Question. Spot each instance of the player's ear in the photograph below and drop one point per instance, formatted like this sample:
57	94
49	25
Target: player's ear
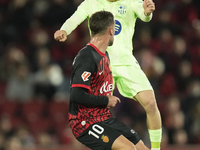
111	30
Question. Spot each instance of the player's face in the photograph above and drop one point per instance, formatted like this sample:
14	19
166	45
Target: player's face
110	43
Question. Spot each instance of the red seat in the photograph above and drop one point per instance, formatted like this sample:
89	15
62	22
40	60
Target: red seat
9	108
3	86
40	125
32	110
16	122
58	111
59	127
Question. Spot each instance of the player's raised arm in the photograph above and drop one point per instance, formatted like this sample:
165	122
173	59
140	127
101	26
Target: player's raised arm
143	9
71	23
149	7
60	35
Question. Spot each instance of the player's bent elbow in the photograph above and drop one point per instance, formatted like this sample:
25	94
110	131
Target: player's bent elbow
74	95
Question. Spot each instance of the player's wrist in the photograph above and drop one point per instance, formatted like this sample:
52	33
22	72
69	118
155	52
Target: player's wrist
147	14
107	99
65	32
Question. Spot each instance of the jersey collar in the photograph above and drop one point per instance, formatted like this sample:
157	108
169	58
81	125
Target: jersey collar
98	51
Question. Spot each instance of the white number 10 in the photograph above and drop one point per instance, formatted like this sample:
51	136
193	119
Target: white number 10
97	129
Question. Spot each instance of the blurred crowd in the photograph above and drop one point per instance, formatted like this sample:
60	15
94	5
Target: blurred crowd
35	69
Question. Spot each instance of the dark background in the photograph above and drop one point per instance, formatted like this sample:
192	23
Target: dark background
35	71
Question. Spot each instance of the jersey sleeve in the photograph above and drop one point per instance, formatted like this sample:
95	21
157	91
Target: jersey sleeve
137	7
83	69
80	96
77	18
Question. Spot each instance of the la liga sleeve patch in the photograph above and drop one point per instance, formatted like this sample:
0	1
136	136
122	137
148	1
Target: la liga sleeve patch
85	75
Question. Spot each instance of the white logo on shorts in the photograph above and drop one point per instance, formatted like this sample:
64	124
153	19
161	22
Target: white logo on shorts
132	131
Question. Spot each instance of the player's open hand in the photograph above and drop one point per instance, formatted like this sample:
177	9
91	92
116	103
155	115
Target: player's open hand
60	35
149	7
113	100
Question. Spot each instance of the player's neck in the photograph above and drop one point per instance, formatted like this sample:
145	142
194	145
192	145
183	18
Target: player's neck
101	42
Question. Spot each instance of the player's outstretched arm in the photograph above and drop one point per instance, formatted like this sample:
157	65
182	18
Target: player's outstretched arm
149	7
112	100
60	35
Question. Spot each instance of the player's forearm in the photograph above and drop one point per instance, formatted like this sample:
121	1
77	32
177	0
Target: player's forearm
80	96
146	17
147	14
141	12
77	18
69	25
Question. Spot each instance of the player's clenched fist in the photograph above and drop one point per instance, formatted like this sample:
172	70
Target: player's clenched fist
113	100
149	6
60	35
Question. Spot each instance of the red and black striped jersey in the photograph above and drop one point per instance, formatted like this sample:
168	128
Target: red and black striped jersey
91	70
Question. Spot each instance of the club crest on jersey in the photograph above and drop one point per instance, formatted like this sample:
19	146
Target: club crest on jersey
118	27
85	75
106	87
105	138
122	9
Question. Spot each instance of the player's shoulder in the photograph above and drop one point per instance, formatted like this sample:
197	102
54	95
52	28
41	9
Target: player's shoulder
86	51
85	54
90	54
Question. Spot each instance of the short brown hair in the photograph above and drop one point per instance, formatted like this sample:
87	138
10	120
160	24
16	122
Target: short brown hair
100	21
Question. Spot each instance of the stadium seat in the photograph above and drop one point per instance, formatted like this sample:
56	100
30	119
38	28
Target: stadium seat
32	110
58	111
16	122
59	127
39	125
3	86
9	108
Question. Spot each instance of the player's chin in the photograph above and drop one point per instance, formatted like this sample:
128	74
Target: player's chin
110	43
